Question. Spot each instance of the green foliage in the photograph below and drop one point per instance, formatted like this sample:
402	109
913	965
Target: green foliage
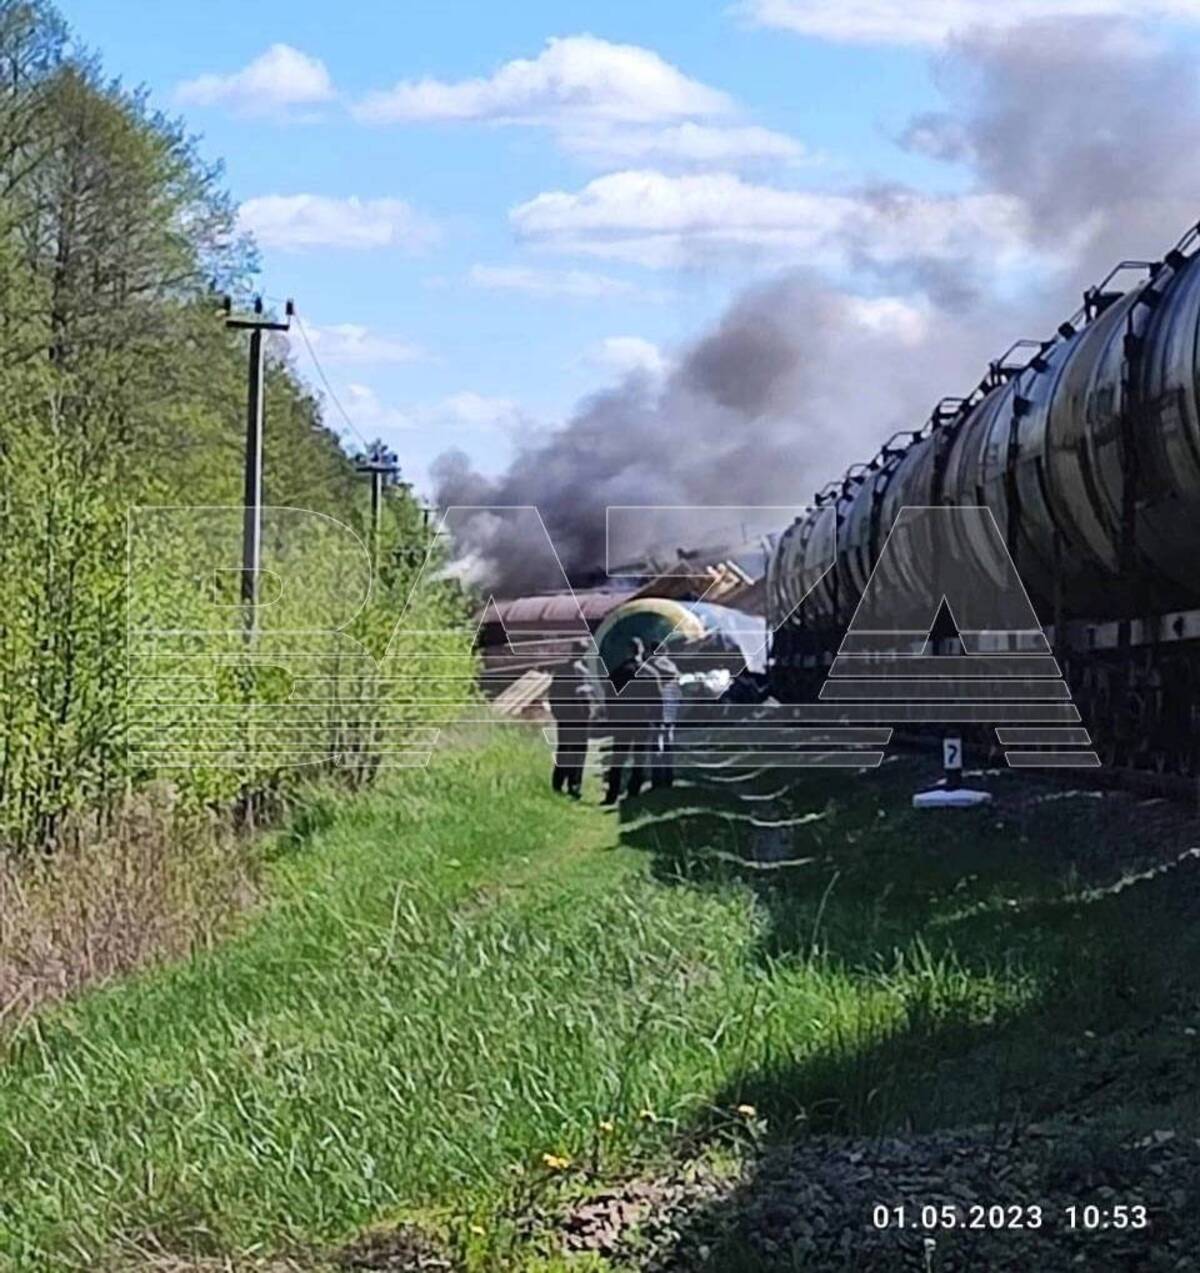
446	983
120	388
457	973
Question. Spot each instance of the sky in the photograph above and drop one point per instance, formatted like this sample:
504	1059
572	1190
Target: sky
490	214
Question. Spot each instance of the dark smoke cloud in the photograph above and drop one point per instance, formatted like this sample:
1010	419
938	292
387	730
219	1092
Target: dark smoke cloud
747	364
955	281
1090	122
1087	122
796	381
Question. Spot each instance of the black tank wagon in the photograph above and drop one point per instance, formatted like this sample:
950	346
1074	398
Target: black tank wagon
1086	449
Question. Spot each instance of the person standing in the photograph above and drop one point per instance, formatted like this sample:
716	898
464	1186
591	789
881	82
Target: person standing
628	712
570	706
662	764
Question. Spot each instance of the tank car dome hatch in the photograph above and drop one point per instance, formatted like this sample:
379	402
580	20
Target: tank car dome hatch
724	636
653	619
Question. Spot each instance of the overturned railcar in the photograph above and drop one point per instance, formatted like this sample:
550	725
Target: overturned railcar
705	633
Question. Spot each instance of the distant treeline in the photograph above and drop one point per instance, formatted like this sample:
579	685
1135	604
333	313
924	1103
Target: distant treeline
120	387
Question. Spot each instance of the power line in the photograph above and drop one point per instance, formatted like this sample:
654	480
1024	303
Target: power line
312	353
376	461
252	530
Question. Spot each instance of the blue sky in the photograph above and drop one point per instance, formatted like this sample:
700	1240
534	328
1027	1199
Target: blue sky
523	238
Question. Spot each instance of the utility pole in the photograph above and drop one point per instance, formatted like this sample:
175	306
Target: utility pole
380	465
252	489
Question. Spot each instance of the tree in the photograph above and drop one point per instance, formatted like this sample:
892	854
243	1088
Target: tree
120	387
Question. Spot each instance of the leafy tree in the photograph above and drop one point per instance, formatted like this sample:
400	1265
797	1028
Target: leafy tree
120	387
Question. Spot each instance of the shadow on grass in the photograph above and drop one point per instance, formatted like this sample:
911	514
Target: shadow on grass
1037	960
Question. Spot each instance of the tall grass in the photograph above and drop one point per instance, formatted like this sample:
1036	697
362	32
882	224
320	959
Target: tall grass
459	974
153	886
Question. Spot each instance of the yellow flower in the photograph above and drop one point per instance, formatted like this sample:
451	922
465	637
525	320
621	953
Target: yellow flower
746	1111
606	1125
556	1162
478	1230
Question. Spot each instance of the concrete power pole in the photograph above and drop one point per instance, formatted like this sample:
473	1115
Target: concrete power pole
252	488
380	465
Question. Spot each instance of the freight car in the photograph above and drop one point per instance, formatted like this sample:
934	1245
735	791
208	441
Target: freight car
534	633
1085	447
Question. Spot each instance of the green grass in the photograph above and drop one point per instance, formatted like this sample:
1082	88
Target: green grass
462	972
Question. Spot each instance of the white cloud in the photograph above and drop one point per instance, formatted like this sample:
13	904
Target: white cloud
369	414
627	355
463	410
475	410
577	284
890	316
663	221
574	77
295	222
931	21
279	78
353	343
682	145
616	105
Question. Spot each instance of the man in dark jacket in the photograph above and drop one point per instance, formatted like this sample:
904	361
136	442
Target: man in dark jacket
570	705
631	709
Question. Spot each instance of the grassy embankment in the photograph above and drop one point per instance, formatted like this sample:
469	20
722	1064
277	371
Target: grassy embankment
459	974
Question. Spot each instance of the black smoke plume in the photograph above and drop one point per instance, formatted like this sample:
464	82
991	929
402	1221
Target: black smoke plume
1089	123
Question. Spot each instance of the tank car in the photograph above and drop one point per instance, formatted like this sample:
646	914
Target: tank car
1086	449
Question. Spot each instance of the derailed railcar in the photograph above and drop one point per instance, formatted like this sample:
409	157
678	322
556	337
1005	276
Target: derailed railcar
701	632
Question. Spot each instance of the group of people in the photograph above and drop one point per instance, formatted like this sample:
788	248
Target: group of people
639	710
